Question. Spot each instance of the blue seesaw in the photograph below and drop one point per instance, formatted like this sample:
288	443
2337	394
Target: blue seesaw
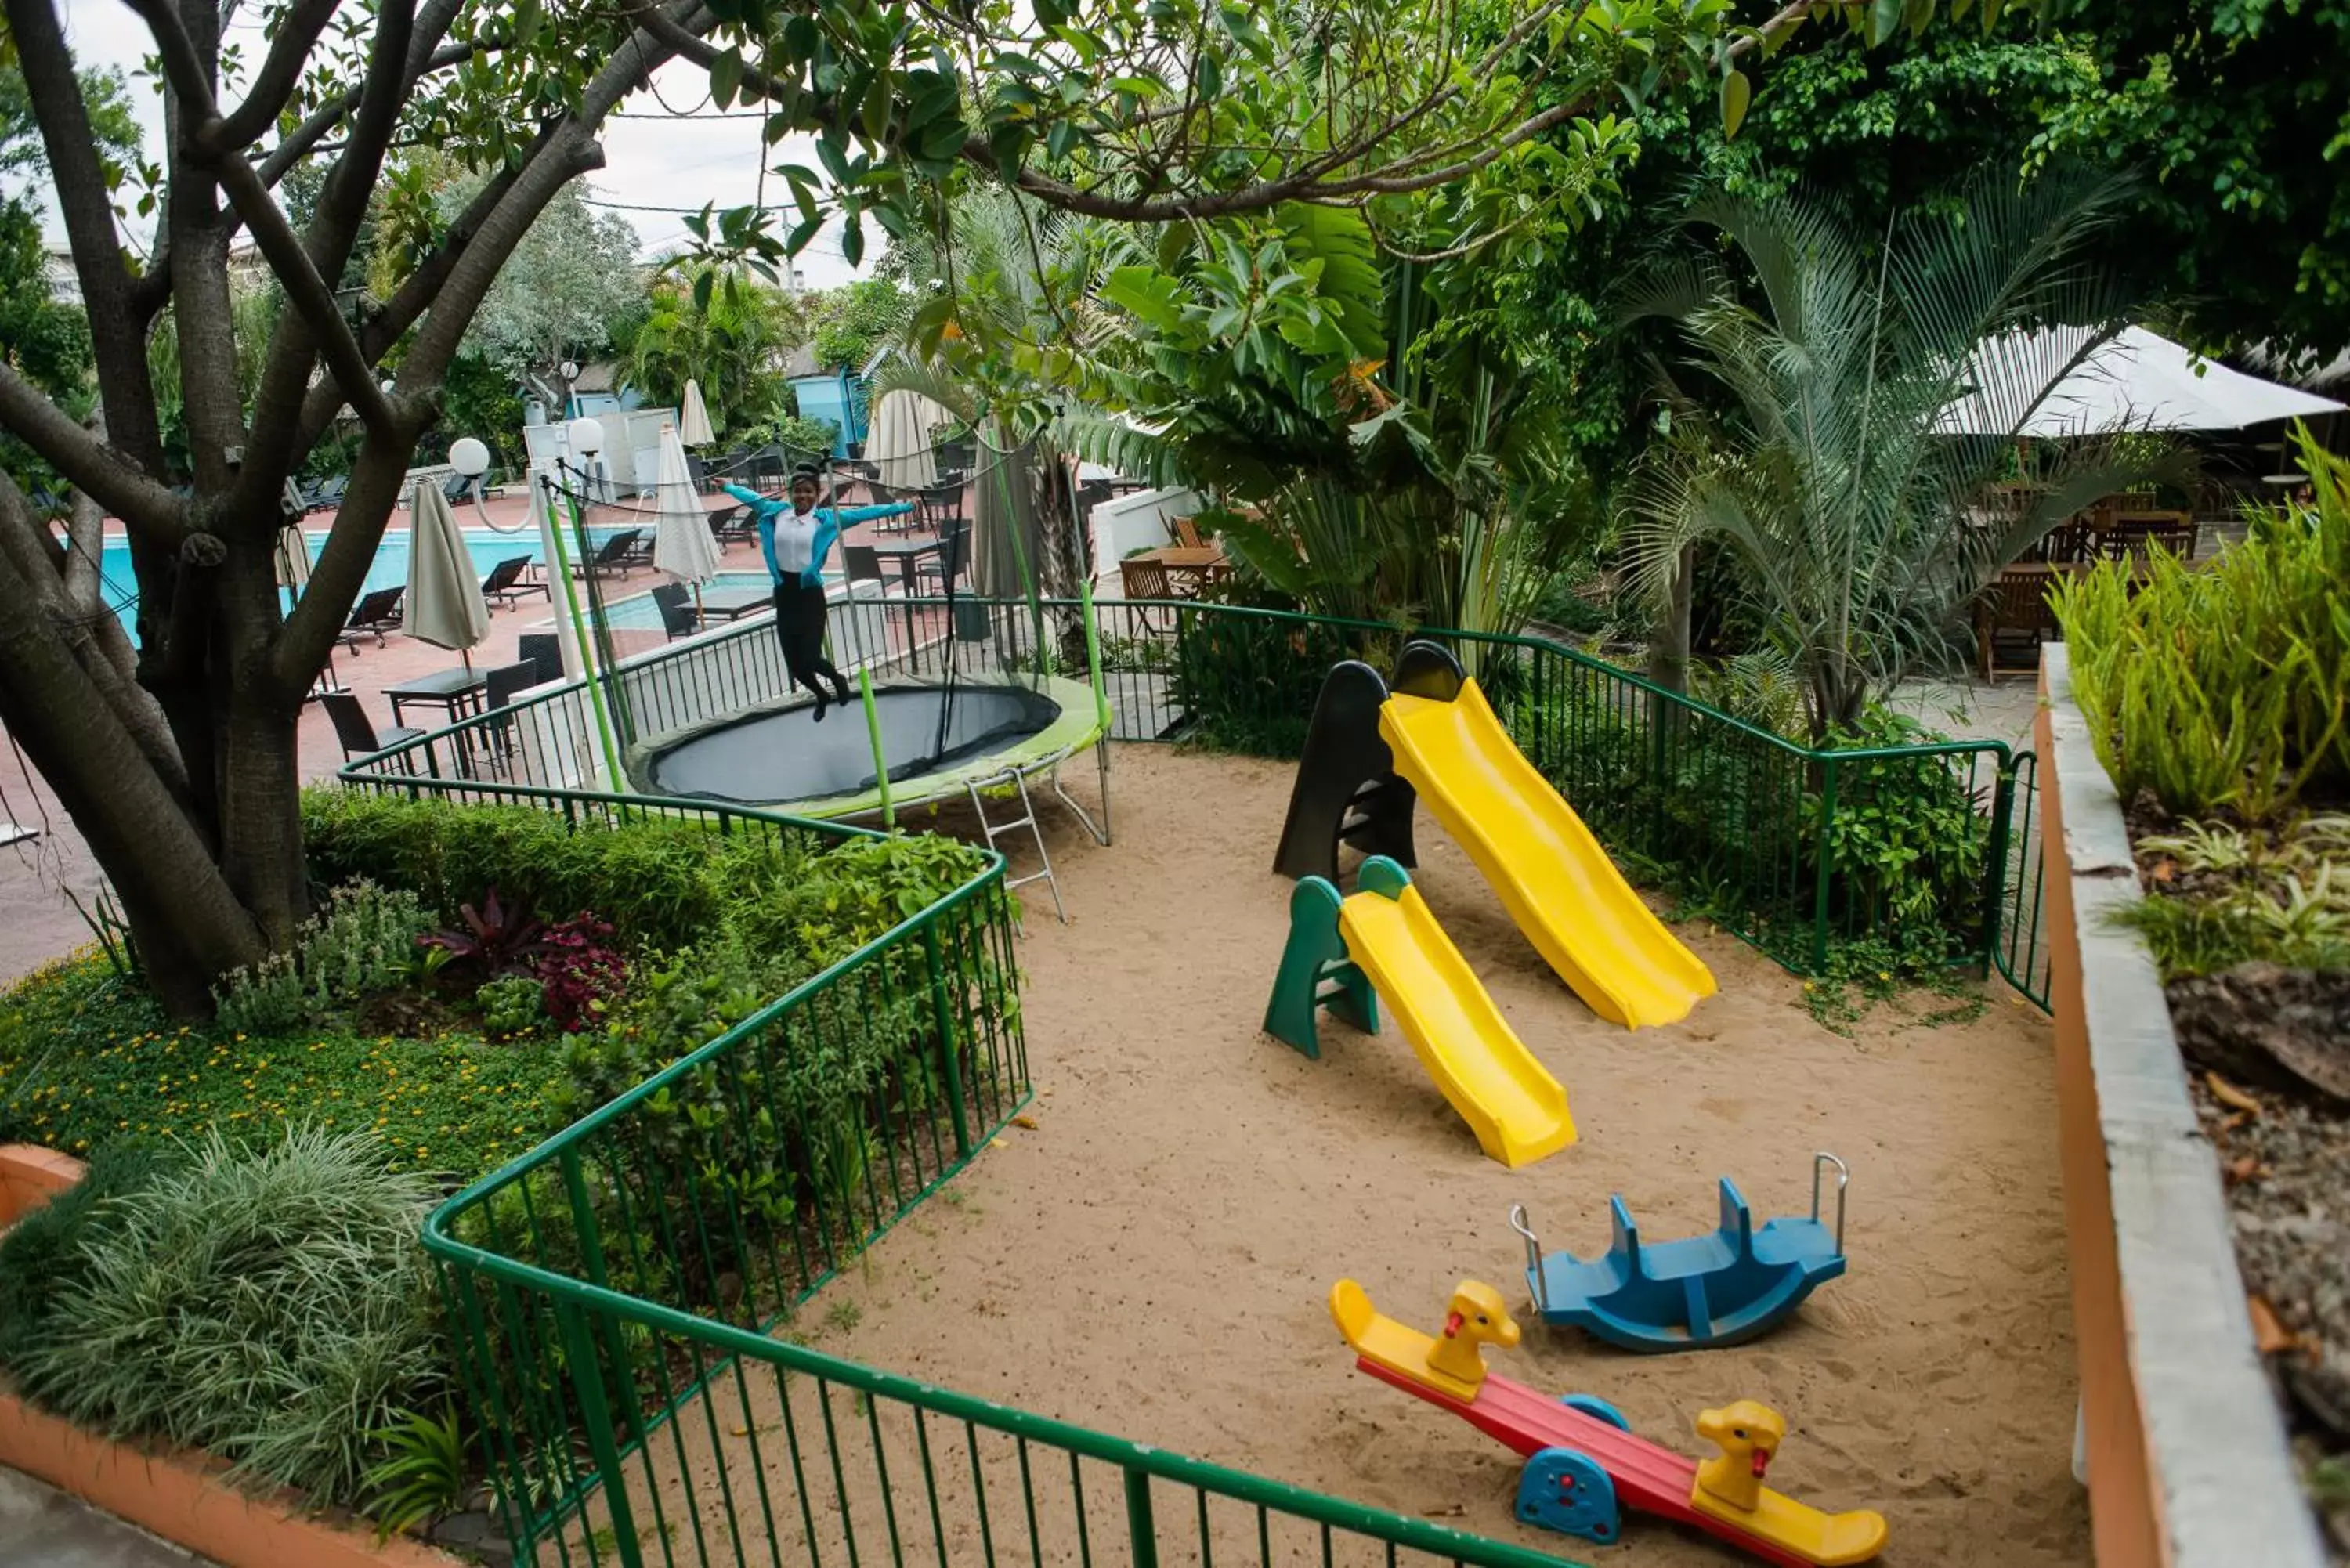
1696	1293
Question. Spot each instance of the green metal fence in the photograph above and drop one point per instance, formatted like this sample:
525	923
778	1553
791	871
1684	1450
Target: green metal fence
614	1296
1928	853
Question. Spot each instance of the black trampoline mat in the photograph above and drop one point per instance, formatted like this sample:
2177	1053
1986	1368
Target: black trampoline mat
786	755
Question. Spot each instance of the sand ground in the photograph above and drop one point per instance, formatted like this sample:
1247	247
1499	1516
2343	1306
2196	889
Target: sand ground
1152	1259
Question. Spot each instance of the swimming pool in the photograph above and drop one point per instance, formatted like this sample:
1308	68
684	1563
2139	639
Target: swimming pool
487	547
637	611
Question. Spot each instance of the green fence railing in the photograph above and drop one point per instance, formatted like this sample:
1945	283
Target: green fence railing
1930	852
613	1296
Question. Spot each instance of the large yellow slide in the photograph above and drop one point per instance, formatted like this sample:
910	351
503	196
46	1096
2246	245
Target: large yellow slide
1557	882
1516	1109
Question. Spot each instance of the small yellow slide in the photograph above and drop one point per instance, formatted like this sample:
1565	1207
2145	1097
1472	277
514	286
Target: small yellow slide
1516	1109
1557	882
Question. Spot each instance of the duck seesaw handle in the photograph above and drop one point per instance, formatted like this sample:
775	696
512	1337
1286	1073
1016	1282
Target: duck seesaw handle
1844	1179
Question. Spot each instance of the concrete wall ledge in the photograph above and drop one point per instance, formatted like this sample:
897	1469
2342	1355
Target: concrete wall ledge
2187	1460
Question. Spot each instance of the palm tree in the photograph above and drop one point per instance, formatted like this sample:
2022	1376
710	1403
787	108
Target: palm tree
1007	321
1817	454
724	329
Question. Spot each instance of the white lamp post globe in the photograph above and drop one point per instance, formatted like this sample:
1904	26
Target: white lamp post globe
469	457
586	437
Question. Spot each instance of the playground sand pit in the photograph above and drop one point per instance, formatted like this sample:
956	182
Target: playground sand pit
1152	1257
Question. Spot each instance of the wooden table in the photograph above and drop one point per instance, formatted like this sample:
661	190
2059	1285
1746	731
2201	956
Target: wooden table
734	603
451	690
1202	564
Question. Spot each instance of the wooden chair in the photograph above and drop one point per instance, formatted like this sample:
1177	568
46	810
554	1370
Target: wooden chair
1147	582
2012	610
2067	544
1186	533
2131	536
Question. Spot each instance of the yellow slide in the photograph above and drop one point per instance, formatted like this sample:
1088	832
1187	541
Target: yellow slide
1516	1109
1558	885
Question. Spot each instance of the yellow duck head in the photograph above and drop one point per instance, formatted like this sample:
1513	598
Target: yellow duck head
1749	1434
1474	1316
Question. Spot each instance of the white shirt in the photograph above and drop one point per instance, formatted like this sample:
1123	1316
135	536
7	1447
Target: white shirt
794	540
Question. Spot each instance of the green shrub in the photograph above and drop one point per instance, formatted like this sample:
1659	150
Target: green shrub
361	944
661	883
2225	687
48	1253
513	1005
270	1305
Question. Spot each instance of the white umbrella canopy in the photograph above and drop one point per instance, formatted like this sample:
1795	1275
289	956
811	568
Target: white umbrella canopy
683	546
293	558
443	604
693	422
899	444
2139	381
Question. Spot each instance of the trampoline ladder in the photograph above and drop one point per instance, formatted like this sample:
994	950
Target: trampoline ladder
1015	780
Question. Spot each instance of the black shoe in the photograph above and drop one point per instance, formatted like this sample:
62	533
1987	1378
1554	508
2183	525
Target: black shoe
819	708
841	689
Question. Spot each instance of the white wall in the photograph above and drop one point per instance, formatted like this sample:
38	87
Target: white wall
1141	521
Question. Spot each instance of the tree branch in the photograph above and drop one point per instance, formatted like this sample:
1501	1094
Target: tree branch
303	139
183	68
118	316
280	74
95	466
304	287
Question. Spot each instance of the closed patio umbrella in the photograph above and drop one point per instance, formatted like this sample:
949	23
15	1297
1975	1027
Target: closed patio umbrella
443	604
293	558
693	421
899	444
683	546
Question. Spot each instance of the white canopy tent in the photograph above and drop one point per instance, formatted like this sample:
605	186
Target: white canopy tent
2140	380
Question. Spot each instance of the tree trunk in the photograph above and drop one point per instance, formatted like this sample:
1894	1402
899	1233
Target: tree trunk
1668	647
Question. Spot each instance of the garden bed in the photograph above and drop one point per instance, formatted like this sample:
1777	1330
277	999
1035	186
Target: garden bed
2196	730
242	1270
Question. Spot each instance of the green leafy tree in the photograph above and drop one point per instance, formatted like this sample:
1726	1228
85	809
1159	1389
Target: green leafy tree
851	323
571	282
1844	500
179	766
2238	110
726	330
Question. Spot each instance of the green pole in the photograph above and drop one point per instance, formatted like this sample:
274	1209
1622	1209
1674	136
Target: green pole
1093	653
590	665
881	762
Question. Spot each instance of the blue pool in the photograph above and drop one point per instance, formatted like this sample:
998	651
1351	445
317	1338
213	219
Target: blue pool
637	611
389	570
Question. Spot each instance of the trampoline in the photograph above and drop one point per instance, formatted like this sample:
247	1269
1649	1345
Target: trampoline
952	736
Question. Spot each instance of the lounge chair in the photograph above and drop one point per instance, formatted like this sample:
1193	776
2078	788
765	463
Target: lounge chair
377	613
728	523
616	555
357	732
326	494
506	582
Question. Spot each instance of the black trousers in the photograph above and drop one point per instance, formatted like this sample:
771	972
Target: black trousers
799	627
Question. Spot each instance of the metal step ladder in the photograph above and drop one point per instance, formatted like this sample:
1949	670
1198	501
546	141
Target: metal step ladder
1014	780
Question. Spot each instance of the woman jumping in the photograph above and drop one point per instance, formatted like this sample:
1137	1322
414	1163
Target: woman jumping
795	538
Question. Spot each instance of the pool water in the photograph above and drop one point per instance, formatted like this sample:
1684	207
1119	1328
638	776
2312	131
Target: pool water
487	547
636	612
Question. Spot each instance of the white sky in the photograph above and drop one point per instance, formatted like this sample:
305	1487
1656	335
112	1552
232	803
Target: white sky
648	162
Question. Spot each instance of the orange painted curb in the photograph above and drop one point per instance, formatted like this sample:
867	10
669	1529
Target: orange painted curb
182	1498
178	1496
30	1176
